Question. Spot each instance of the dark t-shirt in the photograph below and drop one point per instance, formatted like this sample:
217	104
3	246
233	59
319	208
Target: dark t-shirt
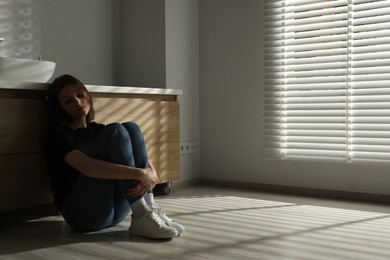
60	140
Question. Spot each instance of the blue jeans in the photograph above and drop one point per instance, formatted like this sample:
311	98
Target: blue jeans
99	203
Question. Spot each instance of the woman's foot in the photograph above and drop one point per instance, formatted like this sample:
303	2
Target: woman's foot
151	225
172	223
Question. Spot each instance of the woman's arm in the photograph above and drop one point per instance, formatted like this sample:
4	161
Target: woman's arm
139	189
106	170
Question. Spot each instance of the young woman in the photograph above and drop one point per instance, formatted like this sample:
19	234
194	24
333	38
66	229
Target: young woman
99	173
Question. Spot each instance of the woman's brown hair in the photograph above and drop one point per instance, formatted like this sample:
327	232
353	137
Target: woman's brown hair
56	111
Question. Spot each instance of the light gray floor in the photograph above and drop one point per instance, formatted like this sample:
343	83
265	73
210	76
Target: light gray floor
221	224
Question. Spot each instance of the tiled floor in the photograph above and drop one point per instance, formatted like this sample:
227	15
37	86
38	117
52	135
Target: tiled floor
221	224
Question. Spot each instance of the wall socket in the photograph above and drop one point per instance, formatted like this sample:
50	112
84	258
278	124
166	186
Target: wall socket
188	147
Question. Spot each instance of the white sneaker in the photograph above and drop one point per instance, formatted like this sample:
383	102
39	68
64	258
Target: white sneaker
152	226
159	211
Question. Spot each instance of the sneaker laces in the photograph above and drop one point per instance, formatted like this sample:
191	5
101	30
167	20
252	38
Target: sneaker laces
157	219
161	213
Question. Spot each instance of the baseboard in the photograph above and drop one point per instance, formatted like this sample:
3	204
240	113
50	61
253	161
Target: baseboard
299	191
178	185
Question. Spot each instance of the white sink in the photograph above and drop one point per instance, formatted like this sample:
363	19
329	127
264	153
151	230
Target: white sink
13	69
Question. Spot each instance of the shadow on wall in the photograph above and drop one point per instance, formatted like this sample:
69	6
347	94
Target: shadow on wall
20	26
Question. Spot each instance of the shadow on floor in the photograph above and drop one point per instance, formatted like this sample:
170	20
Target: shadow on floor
43	227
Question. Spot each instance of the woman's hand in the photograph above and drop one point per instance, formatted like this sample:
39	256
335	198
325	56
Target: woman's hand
149	178
137	191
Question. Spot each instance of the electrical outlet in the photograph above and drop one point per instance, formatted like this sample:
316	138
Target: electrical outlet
187	147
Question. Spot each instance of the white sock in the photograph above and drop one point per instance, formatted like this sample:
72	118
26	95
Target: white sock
149	198
139	208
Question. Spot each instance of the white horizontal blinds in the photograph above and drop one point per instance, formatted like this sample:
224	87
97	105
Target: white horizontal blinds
273	77
313	103
370	114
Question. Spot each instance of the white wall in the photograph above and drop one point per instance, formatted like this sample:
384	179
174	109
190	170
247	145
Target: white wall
142	34
231	109
182	72
78	36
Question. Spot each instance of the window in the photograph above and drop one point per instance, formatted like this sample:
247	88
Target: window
327	80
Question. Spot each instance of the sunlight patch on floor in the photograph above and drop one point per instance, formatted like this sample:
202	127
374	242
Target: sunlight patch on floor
251	227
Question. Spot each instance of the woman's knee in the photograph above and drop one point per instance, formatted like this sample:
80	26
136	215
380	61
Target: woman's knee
131	126
134	130
115	129
114	126
112	135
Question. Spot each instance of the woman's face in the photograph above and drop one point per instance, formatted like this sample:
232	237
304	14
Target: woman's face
74	101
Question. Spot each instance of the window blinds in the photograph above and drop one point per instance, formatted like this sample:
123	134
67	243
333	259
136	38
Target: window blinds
327	80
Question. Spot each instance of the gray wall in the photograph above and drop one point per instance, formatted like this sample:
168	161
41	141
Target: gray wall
182	72
142	39
231	109
79	37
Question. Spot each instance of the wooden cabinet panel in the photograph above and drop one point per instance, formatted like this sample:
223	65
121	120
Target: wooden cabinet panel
166	159
23	177
20	201
22	125
159	120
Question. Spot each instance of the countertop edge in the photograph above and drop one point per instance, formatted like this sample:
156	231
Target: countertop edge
10	85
